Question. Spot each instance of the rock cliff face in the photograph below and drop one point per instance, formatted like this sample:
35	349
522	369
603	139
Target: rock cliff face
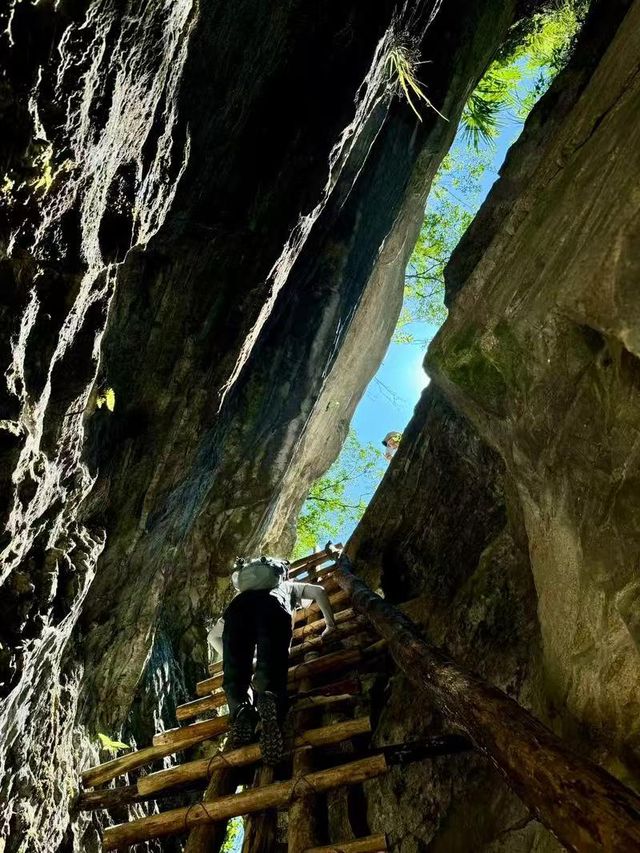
510	512
206	214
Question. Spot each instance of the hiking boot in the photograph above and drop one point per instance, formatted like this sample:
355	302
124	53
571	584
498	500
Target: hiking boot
243	725
271	740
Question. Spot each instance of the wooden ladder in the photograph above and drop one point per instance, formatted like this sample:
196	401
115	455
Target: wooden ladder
587	809
322	682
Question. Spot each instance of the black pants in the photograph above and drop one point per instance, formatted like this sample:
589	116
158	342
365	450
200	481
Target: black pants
256	619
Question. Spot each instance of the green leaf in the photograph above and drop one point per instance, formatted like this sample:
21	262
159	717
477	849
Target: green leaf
108	399
108	743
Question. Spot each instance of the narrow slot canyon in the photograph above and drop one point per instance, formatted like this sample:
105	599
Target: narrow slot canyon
275	277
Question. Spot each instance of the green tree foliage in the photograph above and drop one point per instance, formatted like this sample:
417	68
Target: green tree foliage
233	837
339	498
507	92
539	53
454	199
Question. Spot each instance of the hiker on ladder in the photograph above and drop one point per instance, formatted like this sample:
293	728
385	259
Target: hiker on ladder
261	616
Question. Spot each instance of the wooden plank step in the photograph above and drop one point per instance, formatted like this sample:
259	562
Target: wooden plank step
301	633
276	795
208	685
185	734
203	688
325	702
192	771
108	798
345	685
326	663
368	844
313	610
215	668
102	773
314	643
317	627
307	669
329	581
190	710
200	706
298	567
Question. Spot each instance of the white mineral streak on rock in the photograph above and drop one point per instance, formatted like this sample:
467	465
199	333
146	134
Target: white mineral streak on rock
145	75
35	727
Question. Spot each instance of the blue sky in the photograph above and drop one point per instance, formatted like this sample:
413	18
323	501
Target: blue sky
390	398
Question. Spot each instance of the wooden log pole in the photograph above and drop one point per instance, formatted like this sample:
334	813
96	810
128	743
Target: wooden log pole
210	836
347	629
141	757
319	625
185	734
199	706
202	768
587	809
322	664
368	844
312	612
247	802
260	828
302	822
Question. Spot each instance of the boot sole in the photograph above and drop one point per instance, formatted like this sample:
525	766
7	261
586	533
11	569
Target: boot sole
241	733
271	740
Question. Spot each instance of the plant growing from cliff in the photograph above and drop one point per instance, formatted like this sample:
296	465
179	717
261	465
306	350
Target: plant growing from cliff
339	498
402	63
454	198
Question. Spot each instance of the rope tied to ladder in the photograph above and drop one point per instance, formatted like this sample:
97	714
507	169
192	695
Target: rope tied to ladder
294	790
219	756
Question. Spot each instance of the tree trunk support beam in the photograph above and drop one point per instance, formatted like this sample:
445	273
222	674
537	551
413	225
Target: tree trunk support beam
580	803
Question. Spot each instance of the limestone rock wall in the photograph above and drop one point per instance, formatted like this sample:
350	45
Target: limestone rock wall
509	513
203	206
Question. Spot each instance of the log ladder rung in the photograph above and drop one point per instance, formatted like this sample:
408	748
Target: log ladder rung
368	844
276	795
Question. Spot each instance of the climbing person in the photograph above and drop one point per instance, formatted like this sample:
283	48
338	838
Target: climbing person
391	442
259	620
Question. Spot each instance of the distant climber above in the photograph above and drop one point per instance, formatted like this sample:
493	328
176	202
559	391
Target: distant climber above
260	616
391	442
